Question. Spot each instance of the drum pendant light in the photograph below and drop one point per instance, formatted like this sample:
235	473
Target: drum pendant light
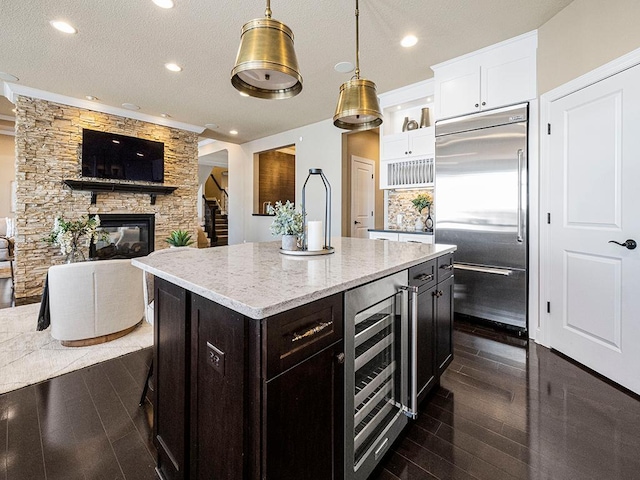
266	65
358	107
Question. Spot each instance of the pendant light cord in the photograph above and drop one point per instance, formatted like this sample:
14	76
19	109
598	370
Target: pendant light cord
357	42
267	12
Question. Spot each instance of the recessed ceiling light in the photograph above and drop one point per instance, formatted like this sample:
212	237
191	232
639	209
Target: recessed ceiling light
409	41
211	126
164	3
173	67
233	132
130	106
165	115
91	97
429	99
344	67
7	77
62	26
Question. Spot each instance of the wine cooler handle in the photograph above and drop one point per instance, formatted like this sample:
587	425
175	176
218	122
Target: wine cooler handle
411	410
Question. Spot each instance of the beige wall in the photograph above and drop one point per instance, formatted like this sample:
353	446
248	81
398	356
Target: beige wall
367	145
7	173
48	138
584	36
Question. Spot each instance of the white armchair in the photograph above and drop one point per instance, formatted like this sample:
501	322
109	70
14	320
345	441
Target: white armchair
94	302
6	244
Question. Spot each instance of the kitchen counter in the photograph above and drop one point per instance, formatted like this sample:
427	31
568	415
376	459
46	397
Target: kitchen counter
256	280
248	341
397	230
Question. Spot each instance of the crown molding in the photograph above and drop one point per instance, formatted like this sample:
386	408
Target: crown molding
11	90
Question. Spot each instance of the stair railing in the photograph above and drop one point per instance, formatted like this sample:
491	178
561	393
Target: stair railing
225	195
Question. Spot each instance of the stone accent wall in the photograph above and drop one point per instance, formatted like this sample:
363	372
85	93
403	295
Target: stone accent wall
400	203
48	148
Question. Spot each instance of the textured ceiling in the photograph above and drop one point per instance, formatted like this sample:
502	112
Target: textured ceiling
119	52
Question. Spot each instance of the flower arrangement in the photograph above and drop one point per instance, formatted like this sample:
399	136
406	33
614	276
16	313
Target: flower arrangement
179	238
287	221
68	235
422	201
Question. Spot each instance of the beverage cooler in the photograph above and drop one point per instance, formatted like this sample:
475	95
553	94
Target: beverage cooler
380	387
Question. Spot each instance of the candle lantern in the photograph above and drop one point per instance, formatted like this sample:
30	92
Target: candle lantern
326	247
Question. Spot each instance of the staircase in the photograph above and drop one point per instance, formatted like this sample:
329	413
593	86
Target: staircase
216	224
222	230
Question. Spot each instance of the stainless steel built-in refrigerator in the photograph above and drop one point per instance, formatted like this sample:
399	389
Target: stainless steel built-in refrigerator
481	206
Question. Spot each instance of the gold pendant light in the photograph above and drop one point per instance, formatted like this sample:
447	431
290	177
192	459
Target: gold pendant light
358	107
266	65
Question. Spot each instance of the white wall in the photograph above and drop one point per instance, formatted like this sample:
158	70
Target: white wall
7	173
236	162
317	146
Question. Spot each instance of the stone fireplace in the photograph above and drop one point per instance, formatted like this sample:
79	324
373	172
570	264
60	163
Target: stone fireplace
130	235
48	149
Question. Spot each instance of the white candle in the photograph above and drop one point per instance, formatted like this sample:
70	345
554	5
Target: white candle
315	236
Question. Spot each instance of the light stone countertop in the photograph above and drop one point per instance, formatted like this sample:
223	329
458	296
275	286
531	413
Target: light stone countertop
256	280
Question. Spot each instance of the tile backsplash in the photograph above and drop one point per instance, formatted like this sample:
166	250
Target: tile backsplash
400	204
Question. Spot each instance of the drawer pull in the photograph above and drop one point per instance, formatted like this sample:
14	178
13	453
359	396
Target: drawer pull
447	267
312	331
425	277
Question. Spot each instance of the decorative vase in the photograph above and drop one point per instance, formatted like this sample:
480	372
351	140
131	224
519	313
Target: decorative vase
428	223
405	123
289	242
74	256
424	118
419	224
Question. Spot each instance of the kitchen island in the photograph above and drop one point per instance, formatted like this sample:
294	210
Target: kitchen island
249	353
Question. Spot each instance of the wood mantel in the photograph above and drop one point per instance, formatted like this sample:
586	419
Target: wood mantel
101	187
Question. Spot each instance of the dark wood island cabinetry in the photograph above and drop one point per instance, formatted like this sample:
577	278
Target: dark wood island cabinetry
237	396
250	370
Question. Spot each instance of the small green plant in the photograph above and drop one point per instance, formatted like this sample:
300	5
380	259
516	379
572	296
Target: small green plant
179	238
422	201
286	221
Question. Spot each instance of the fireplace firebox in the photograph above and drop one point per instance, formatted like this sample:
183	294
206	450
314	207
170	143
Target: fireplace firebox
130	236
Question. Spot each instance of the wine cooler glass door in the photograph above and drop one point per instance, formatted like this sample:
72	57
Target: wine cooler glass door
375	366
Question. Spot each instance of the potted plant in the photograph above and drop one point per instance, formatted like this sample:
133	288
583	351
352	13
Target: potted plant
179	238
68	235
422	201
287	222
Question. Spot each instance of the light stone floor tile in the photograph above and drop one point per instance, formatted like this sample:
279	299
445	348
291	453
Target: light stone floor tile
28	356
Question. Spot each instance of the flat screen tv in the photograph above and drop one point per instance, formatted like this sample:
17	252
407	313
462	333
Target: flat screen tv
119	157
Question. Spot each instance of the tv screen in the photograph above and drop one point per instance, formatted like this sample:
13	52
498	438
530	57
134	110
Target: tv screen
118	157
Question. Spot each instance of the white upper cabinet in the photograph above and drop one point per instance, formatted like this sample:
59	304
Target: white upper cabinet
407	154
412	143
502	74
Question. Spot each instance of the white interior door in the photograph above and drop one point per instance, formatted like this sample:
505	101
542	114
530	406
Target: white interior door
594	179
362	196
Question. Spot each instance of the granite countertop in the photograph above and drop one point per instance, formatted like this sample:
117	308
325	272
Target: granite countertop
256	280
397	230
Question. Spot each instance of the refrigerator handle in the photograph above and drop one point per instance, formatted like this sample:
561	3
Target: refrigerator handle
519	214
410	298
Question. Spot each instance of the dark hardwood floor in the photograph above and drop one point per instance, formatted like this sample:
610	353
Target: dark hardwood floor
505	409
511	410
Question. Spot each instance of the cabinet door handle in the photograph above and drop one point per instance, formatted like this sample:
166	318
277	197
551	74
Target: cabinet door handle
447	267
484	103
340	358
312	331
409	152
424	277
477	105
437	293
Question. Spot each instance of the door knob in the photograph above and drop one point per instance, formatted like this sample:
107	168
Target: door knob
356	222
630	244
